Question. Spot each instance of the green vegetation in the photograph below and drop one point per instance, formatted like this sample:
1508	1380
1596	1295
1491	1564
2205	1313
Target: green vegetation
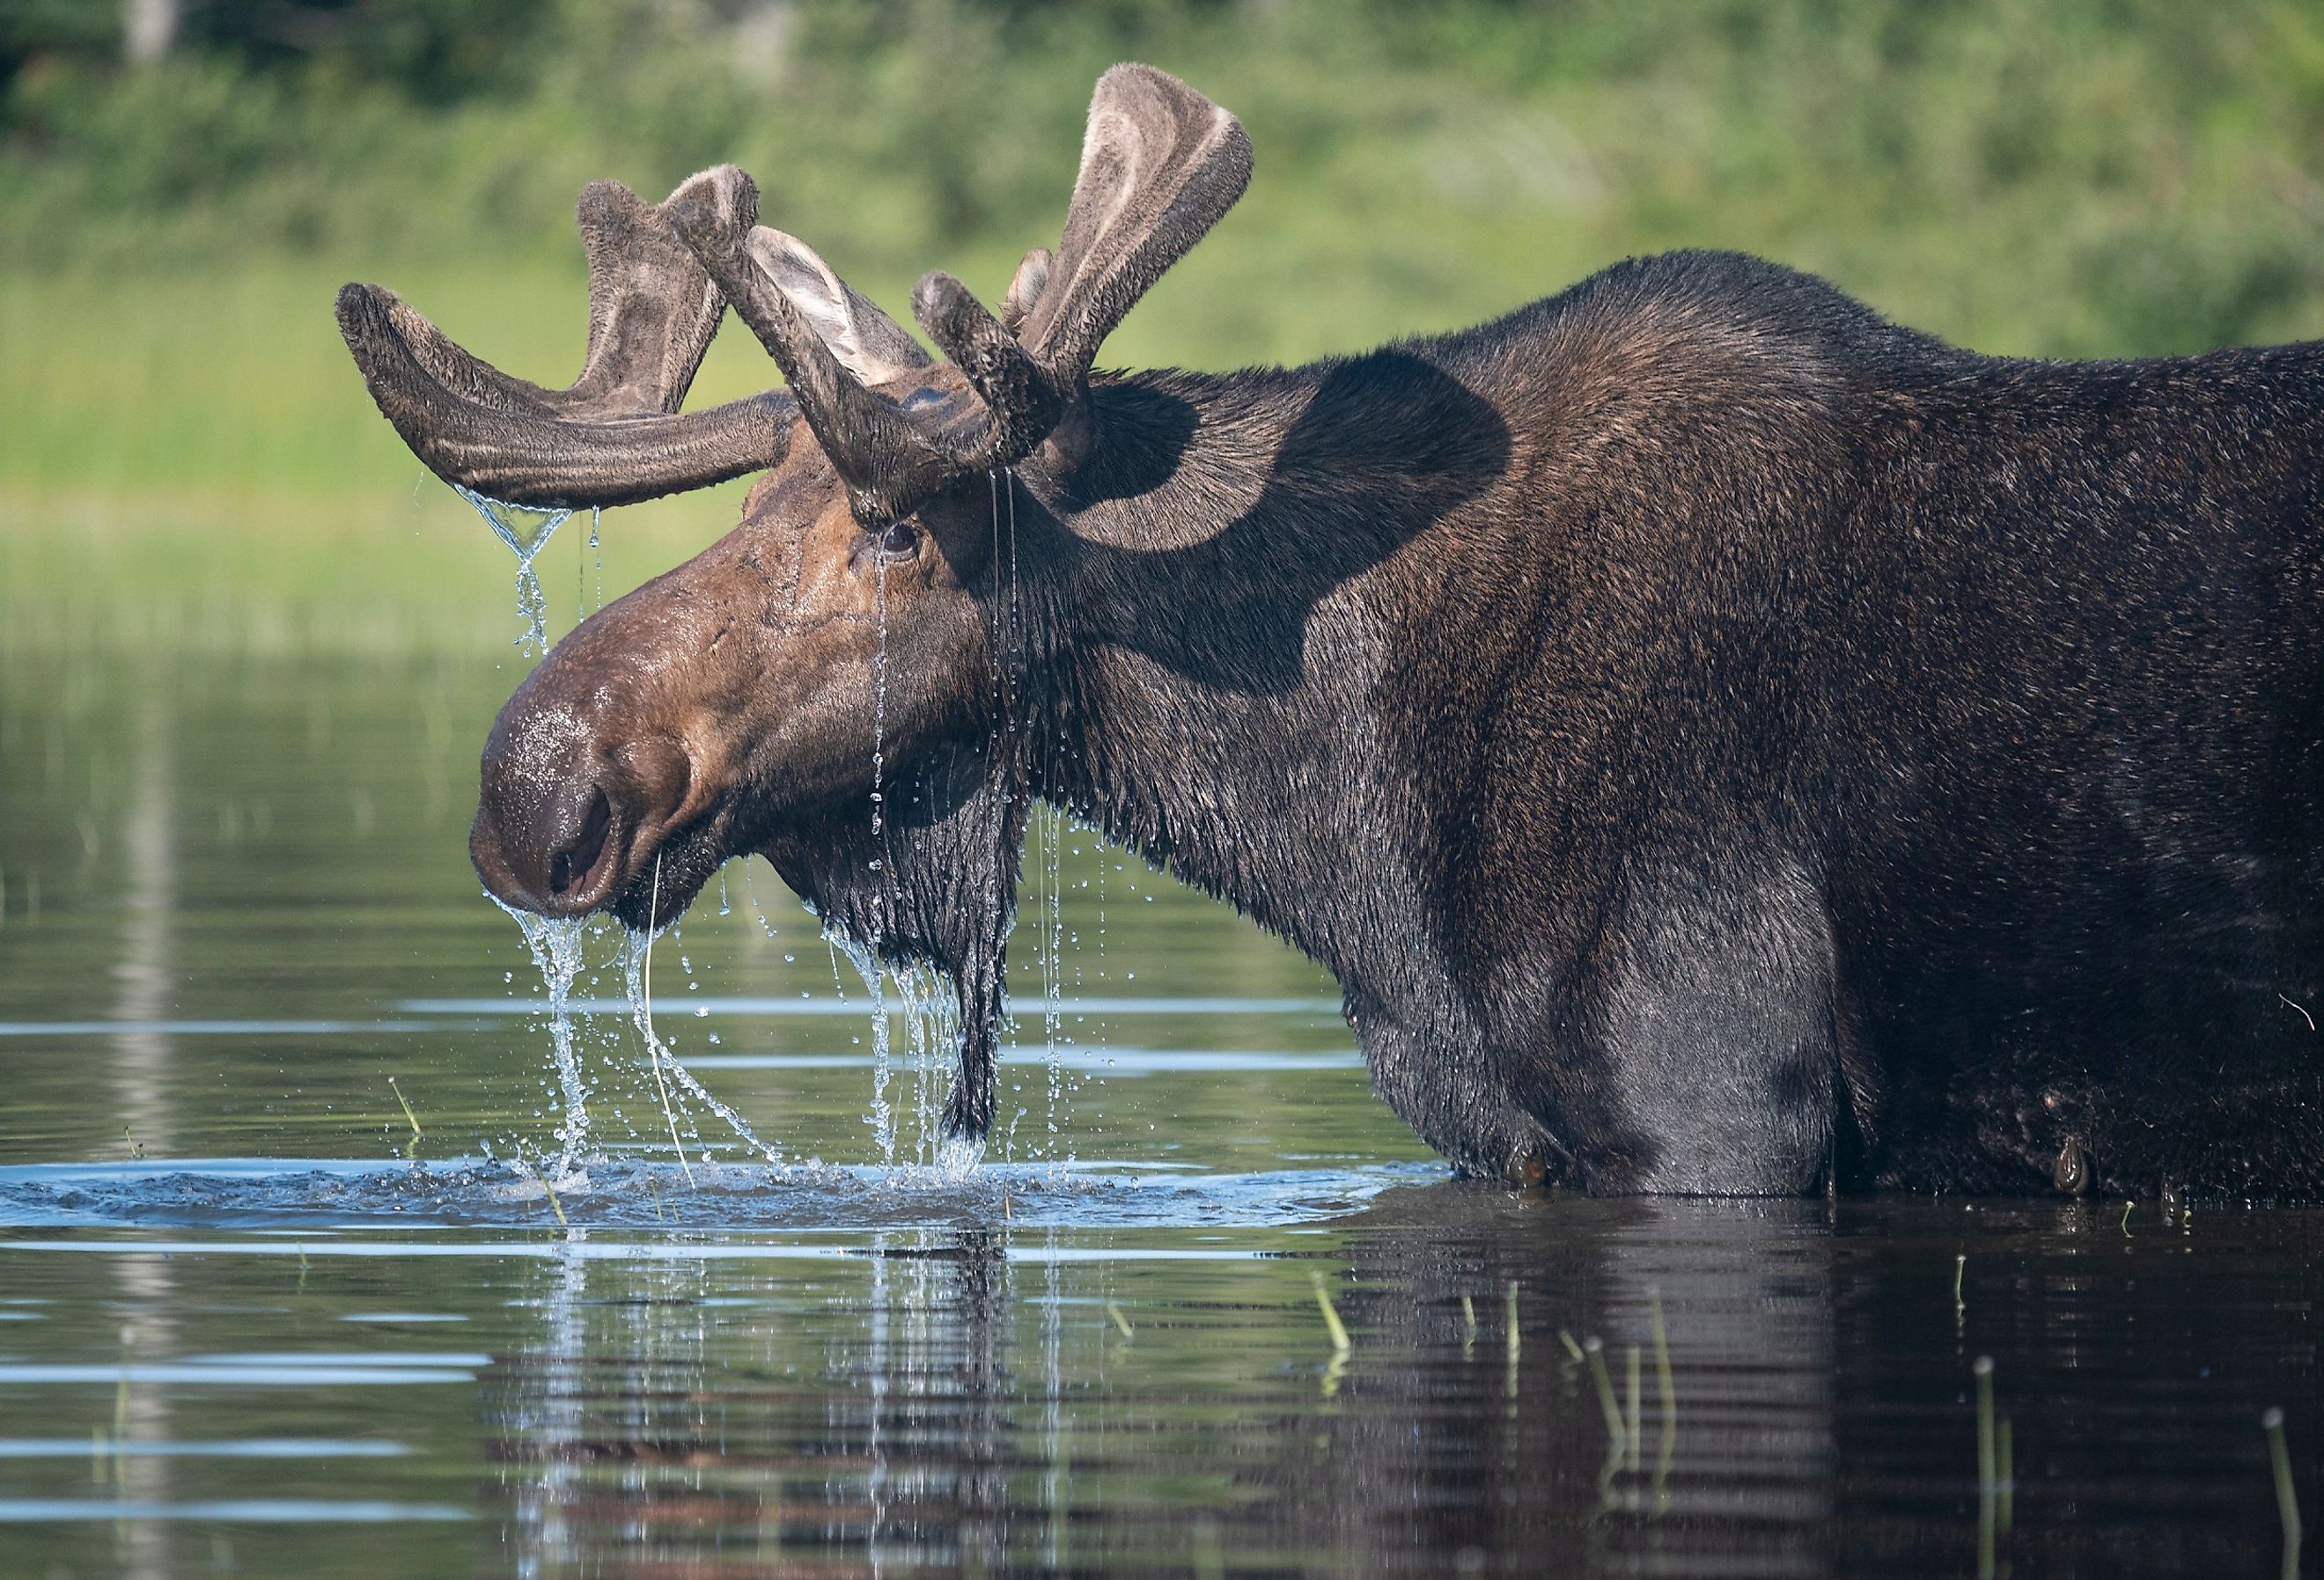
2045	177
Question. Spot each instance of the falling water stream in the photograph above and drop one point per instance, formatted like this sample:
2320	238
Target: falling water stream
919	998
526	529
636	962
556	943
558	946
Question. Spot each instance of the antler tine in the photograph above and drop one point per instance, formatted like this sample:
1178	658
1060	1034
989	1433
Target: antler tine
614	436
1160	166
652	309
1024	402
886	461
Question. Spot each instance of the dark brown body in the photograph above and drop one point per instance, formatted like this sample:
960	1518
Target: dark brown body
1721	740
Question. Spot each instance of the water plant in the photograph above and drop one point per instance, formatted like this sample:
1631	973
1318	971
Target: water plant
653	1042
407	1114
1593	1350
1337	1365
1663	1379
2287	1503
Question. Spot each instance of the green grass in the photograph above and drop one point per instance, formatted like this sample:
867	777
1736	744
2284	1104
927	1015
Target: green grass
184	444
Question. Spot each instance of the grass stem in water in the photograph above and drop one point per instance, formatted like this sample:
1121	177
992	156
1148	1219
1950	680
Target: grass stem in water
2287	1504
1338	1364
1986	1466
653	1042
1633	1421
1664	1380
407	1114
1331	1322
549	1191
1595	1351
2006	1495
1516	1347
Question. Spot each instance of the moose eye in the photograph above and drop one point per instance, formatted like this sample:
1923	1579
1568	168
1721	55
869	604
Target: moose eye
899	540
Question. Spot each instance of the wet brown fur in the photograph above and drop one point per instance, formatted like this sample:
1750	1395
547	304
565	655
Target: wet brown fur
1719	739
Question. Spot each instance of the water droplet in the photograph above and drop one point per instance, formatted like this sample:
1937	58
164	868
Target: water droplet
526	531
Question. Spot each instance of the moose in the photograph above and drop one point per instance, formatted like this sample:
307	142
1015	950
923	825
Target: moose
1722	741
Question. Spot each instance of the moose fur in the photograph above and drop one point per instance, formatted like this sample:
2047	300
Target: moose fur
1720	741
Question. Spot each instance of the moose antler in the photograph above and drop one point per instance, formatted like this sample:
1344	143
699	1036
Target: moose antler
615	435
1160	166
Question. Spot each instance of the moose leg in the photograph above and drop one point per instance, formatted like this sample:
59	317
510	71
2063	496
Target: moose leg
1430	1070
1713	1060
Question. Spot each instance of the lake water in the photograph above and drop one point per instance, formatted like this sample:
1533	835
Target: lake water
250	1323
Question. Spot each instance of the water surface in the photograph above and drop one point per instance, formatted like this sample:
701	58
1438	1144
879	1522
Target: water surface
248	1318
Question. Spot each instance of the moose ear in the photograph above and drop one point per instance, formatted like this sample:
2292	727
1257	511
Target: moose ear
862	339
1160	166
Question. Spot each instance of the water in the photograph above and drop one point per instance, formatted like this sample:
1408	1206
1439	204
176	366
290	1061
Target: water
240	1327
556	947
526	529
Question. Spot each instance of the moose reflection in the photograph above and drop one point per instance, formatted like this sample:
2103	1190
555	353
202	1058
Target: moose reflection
998	1401
997	1419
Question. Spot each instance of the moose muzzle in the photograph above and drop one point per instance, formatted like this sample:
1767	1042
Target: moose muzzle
568	809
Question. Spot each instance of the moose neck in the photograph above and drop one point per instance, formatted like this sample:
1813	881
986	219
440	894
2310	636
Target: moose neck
1228	587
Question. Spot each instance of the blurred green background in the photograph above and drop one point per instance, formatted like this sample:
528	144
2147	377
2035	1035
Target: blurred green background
187	456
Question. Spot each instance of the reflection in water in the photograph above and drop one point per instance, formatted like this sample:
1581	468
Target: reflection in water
960	1400
143	974
678	1430
1440	1446
909	1410
140	1083
833	1370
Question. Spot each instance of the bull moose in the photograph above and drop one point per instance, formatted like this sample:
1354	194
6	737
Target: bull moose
1722	741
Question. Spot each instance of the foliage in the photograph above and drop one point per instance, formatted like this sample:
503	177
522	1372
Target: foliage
2063	175
2043	177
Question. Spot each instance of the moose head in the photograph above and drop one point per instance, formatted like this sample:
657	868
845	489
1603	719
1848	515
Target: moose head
831	685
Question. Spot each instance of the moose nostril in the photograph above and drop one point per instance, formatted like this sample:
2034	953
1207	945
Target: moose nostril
570	865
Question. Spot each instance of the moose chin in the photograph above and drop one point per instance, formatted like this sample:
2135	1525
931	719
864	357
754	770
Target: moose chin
1722	742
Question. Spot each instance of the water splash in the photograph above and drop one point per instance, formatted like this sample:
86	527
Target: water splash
558	948
910	1080
931	1013
883	1117
633	979
555	946
526	531
758	910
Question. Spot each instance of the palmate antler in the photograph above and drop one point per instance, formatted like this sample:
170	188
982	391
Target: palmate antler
614	437
1160	166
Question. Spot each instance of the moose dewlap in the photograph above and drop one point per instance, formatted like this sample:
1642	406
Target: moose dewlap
1722	742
